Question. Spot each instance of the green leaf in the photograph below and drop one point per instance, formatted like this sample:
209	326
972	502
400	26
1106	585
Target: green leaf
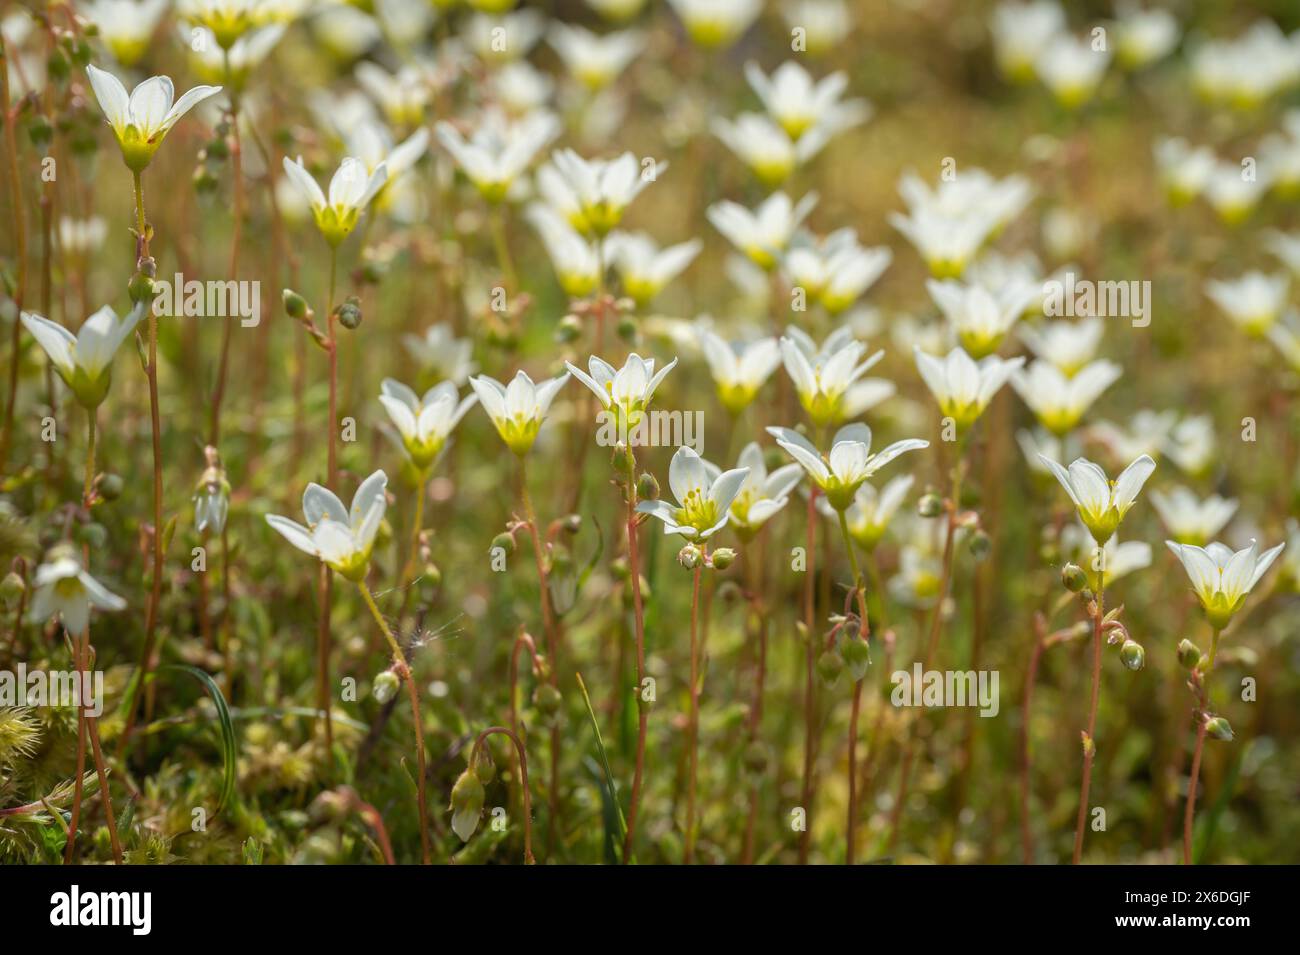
228	750
612	790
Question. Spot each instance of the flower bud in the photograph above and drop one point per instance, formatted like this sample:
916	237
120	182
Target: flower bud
110	486
385	686
1073	577
571	523
12	587
628	330
484	766
94	536
140	288
930	505
505	541
217	148
980	545
466	804
857	656
1132	654
829	666
756	758
547	699
568	329
647	488
432	574
349	313
1189	654
723	558
295	306
1219	728
689	557
618	567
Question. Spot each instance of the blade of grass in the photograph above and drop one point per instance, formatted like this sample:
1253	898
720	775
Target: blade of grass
604	759
228	750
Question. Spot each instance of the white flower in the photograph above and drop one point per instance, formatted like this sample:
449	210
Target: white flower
962	387
64	588
869	516
1185	169
761	235
1059	402
761	495
716	23
1111	561
342	539
231	67
403	96
1071	69
946	244
498	152
1286	246
823	383
1102	503
836	271
344	31
1191	520
593	193
799	104
1039	444
626	391
1222	578
503	39
1146	433
765	147
371	142
849	464
1286	337
1021	31
576	260
1144	36
595	60
85	360
141	121
1067	345
825	23
125	26
703	500
1191	445
351	190
80	236
739	369
521	87
618	11
643	268
1233	194
424	423
1246	71
442	352
1253	302
518	409
980	319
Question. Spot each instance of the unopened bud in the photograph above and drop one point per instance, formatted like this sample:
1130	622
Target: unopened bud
485	768
723	558
466	804
568	329
349	313
980	545
547	699
12	587
1189	654
571	523
1132	654
1073	577
756	758
689	557
628	329
385	686
857	656
505	541
110	486
829	666
295	306
1219	728
647	488
930	505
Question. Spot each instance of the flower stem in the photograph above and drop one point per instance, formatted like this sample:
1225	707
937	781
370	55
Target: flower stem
90	458
759	624
504	261
404	672
326	586
810	676
1089	743
860	587
523	781
1201	723
638	616
19	233
236	165
693	719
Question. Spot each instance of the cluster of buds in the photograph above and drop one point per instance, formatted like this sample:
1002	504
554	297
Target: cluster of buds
692	556
212	156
